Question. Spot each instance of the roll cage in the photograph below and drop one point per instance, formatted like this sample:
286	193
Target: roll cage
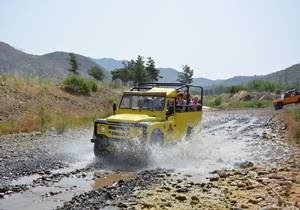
177	86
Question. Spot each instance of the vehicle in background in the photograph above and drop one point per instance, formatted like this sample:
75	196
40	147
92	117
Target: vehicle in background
289	97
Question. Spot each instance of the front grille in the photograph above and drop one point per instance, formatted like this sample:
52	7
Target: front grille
113	133
112	127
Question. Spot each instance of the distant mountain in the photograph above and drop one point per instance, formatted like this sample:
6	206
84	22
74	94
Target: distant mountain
171	75
168	75
110	63
54	65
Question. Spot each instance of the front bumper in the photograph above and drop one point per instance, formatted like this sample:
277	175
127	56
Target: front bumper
111	144
119	131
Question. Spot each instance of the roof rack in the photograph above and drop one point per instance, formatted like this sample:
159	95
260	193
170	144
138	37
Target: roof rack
178	86
150	85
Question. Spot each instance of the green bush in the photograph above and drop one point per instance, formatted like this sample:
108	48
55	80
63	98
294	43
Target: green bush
213	101
44	118
234	89
218	101
77	85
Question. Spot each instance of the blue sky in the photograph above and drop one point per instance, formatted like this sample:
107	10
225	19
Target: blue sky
217	38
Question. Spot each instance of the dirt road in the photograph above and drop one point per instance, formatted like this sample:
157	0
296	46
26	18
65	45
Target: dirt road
237	159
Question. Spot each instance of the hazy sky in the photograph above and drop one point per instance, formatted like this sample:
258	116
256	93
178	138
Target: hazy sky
218	39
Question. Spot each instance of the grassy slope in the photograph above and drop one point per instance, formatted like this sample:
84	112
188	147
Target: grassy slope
291	116
37	105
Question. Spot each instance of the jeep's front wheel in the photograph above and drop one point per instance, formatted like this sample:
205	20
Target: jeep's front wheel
157	137
99	151
189	133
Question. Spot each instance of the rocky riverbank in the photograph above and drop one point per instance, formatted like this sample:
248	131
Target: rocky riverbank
239	160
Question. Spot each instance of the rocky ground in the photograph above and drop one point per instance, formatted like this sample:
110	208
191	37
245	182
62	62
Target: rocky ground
240	160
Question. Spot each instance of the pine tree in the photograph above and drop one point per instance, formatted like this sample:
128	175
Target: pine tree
139	72
97	73
186	76
152	72
74	64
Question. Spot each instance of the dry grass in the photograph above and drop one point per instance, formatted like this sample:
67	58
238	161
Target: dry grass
29	104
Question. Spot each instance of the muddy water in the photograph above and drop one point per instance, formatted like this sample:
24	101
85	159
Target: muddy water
223	140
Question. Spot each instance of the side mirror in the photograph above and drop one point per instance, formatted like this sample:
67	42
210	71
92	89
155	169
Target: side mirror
114	107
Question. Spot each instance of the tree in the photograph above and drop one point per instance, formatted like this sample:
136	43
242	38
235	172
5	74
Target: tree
139	72
122	74
186	76
152	72
97	73
135	71
74	64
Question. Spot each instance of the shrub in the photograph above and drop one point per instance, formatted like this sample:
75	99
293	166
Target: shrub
234	89
218	101
61	126
77	85
44	118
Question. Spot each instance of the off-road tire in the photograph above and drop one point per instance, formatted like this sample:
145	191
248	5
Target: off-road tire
157	137
100	152
189	133
278	106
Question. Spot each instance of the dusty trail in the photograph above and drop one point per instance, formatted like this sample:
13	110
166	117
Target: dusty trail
61	170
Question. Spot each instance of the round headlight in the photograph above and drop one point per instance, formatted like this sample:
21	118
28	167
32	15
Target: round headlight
102	129
139	131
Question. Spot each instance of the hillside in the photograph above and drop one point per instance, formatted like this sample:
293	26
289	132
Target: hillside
109	63
289	75
30	104
54	65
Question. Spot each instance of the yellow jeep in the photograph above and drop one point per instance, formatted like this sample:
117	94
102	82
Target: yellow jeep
150	113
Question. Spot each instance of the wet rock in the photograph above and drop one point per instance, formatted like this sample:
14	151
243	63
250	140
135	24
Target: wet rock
182	190
236	208
275	176
181	198
122	205
166	188
214	178
246	164
244	206
195	198
222	174
240	184
254	200
179	180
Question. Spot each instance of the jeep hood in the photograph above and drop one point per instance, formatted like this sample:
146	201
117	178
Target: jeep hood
131	118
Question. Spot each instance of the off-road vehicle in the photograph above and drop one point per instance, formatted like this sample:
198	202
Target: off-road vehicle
151	113
289	97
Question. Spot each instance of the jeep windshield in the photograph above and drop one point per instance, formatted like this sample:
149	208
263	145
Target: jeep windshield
138	102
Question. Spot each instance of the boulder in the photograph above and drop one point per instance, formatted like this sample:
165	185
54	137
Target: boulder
243	96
